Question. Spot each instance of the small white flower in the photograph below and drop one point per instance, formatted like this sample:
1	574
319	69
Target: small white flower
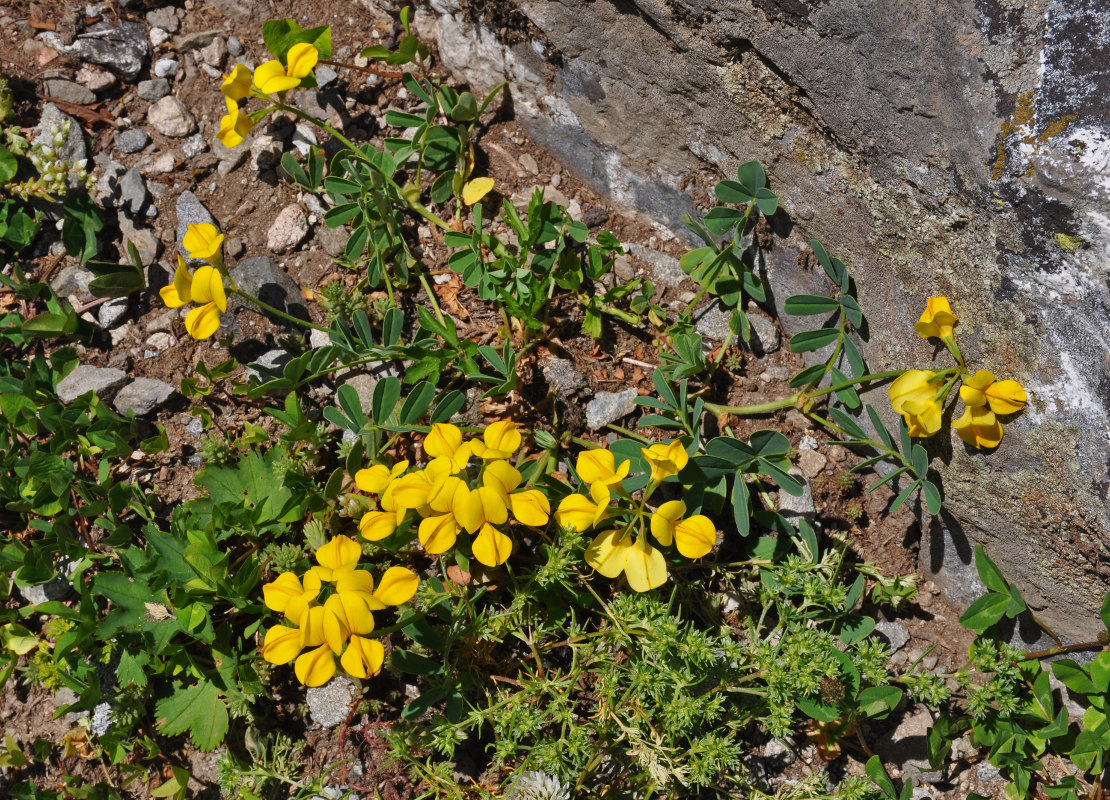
537	785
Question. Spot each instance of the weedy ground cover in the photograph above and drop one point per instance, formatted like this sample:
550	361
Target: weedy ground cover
579	617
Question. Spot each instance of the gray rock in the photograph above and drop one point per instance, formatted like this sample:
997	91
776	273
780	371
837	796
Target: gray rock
101	381
194	41
263	278
801	506
333	240
121	48
606	407
146	243
134	197
895	633
272	360
908	747
562	378
665	270
712	322
329	705
143	395
73	279
94	79
214	54
158	36
765	336
170	117
163	18
112	312
810	462
318	339
235	48
154	89
69	91
73	148
166	67
233	160
132	140
363	384
776	751
194	146
234	247
324	73
190	211
288	230
54	589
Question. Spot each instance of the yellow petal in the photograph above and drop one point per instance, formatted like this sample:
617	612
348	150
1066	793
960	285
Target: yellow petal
476	189
502	474
342	551
923	417
412	490
270	78
316	667
178	293
665	459
363	657
913	384
203	321
377	525
979	427
444	493
530	507
595	466
397	586
312	627
301	59
279	592
937	319
281	645
237	84
663	521
491	547
694	537
373	479
202	241
575	511
442	440
608	553
645	568
1006	397
502	438
339	621
438	533
486	504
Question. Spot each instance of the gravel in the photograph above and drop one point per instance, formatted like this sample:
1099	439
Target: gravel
121	48
288	230
101	381
143	395
69	91
606	407
132	140
170	117
154	89
330	704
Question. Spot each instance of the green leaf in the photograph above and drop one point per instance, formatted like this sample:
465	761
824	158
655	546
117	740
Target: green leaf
8	165
1017	604
281	34
767	201
347	397
847	422
809	304
751	175
855	628
1073	676
741	506
904	495
989	573
197	709
721	220
1105	612
920	460
877	701
813	340
253	483
417	708
933	500
732	192
415	664
985	612
877	774
387	393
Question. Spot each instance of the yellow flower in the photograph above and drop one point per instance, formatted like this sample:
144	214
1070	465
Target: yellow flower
599	466
665	459
234	126
202	241
377	478
529	506
694	536
972	392
237	84
499	440
285	594
316	667
913	395
337	559
476	189
445	441
614	552
937	319
273	78
205	287
178	293
979	427
363	657
581	513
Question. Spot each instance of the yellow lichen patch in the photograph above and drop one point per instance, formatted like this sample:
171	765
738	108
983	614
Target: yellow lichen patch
1069	244
1022	124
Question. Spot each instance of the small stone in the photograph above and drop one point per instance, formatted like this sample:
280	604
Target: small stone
261	277
166	67
232	161
194	146
170	117
288	230
777	751
529	163
712	323
132	140
235	247
195	41
121	48
271	361
363	384
112	312
154	89
606	407
93	79
330	704
556	179
774	372
562	378
133	194
142	396
838	453
765	336
895	633
318	339
164	18
158	36
808	442
801	506
665	270
73	279
810	462
101	381
333	240
194	427
69	91
304	138
159	164
161	341
235	48
214	54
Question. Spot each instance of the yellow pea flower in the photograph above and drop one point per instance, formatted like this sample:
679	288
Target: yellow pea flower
972	391
237	84
979	427
282	644
484	505
499	440
913	395
337	559
581	513
491	547
273	78
285	594
234	126
202	241
937	319
377	478
531	506
363	657
445	441
614	552
694	536
476	189
665	459
316	667
599	466
1006	397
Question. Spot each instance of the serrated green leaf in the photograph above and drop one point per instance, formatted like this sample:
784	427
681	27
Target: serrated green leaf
197	709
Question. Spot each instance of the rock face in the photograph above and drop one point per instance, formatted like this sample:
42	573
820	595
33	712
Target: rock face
959	148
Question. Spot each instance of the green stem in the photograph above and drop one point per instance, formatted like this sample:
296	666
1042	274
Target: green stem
275	311
801	395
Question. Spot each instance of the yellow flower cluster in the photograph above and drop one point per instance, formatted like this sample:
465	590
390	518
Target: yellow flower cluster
448	501
273	77
205	287
331	613
625	548
919	395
